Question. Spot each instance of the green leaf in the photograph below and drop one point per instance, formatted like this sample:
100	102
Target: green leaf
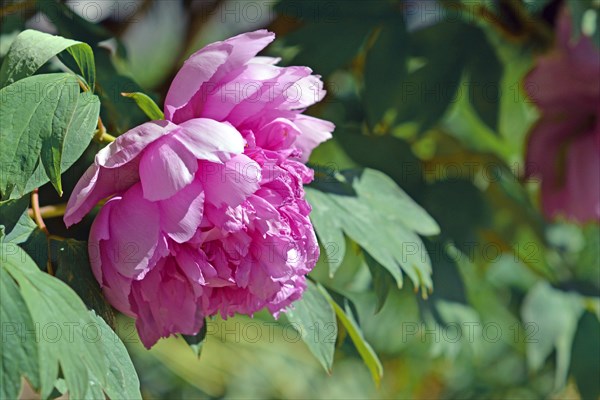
44	123
381	218
388	154
356	19
146	104
387	58
328	229
555	314
364	349
32	49
382	281
585	365
121	378
428	90
19	349
325	56
60	313
22	230
313	316
381	192
485	73
460	208
11	212
29	237
535	6
118	114
197	341
71	264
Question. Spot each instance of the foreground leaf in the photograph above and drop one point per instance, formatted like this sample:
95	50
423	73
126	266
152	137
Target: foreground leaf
44	123
364	349
381	218
52	304
71	262
314	318
19	349
382	281
121	379
10	214
69	338
32	49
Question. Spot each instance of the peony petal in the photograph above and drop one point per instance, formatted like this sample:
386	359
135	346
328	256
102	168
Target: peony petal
210	140
165	168
202	72
115	169
197	70
253	112
165	304
130	144
303	93
98	232
252	84
134	233
264	60
243	48
278	134
314	132
583	178
230	183
181	214
96	184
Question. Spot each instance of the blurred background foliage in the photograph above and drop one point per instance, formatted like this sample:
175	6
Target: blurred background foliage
430	93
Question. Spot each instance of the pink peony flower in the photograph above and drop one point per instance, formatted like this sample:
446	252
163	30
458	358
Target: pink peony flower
564	146
204	219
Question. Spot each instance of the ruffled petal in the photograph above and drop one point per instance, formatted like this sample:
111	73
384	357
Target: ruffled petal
165	304
134	233
314	132
202	72
278	134
196	71
231	183
115	169
181	214
130	144
210	140
165	168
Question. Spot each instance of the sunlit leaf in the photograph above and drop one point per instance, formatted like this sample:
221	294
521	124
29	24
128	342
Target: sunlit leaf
365	350
32	49
313	317
146	104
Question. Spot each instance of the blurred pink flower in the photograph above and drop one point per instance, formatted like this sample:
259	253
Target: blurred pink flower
564	146
204	219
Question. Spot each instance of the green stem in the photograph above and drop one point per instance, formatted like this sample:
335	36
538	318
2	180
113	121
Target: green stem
106	138
37	216
101	135
52	211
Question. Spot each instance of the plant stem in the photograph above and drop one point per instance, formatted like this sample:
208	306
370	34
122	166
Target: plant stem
37	216
101	136
52	211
